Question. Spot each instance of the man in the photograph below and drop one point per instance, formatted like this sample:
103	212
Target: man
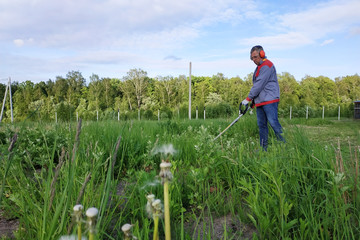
265	93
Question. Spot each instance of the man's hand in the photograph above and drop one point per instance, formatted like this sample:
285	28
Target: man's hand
245	102
252	105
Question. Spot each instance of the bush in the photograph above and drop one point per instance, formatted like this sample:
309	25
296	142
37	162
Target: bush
218	110
149	115
165	113
65	112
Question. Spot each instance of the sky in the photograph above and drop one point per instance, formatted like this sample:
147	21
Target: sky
43	39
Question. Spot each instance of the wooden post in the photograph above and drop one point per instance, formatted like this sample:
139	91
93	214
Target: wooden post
11	107
190	92
3	106
290	111
204	113
118	114
197	112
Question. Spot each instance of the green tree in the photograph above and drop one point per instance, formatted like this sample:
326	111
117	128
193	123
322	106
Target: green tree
289	90
95	91
75	82
202	88
60	89
22	99
317	91
182	95
109	90
348	87
138	82
308	90
238	91
40	91
127	90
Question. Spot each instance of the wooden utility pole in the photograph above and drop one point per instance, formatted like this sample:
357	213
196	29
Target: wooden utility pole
8	88
11	107
190	92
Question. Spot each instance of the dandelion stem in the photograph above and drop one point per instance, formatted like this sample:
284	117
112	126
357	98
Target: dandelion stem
167	210
166	176
91	236
79	231
91	214
78	218
156	228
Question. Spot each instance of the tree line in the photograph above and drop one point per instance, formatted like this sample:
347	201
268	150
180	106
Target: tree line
71	95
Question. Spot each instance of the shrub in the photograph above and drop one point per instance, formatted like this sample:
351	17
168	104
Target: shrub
149	115
218	110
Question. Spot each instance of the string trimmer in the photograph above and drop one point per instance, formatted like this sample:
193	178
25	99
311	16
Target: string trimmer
241	113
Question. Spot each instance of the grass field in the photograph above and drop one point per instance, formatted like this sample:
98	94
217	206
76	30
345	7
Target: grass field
224	189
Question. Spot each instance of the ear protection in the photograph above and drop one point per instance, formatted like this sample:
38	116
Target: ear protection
259	49
262	53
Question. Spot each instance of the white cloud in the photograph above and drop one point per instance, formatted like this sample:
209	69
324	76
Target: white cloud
287	40
96	23
22	42
19	42
293	30
172	58
324	18
355	31
326	42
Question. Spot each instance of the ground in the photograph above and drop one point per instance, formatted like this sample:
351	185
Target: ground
7	226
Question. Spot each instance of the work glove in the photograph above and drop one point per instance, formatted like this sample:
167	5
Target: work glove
245	102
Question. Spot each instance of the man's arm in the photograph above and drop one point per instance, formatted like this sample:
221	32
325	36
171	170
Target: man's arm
259	83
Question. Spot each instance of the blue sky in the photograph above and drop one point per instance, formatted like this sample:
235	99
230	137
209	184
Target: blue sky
42	39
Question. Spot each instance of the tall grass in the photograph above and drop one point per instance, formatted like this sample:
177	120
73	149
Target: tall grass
297	190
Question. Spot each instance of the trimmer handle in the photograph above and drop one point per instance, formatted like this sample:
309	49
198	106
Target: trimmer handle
241	111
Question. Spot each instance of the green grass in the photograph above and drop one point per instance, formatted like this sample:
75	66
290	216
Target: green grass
304	189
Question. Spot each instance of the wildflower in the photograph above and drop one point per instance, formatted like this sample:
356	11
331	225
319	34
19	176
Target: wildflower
157	207
78	212
126	228
165	172
149	208
91	214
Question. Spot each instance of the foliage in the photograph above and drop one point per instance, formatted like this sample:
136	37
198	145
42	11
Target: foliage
293	191
137	91
218	110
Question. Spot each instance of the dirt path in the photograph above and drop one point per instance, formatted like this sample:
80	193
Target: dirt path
7	227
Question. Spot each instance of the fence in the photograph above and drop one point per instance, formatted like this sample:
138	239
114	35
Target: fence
211	112
332	111
322	114
305	112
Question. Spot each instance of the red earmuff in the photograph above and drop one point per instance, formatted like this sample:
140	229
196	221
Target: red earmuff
262	53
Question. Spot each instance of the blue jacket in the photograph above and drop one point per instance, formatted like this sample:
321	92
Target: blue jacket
265	89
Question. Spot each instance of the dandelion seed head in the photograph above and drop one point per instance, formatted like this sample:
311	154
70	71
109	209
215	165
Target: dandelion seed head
71	237
78	208
165	149
92	212
154	183
157	204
